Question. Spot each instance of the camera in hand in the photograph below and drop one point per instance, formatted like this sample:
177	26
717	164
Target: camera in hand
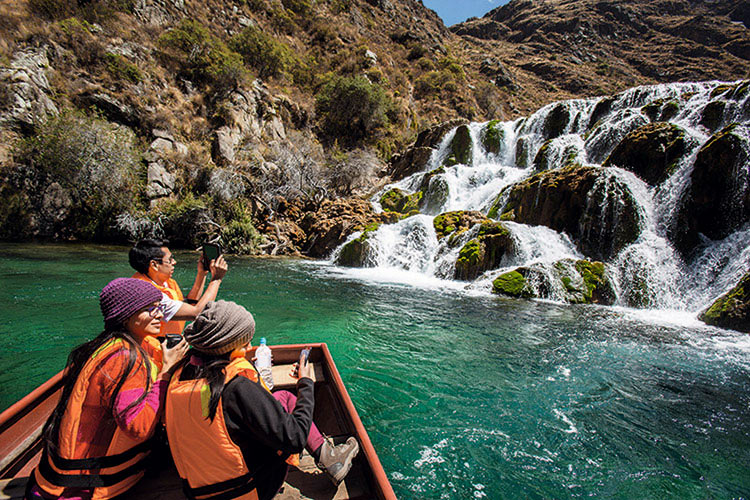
173	339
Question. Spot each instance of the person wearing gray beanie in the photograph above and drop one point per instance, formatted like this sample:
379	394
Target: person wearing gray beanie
239	416
113	397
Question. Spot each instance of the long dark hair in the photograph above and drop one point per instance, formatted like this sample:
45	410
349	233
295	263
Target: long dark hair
212	370
77	360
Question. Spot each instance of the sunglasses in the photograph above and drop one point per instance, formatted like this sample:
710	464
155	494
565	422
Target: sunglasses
154	311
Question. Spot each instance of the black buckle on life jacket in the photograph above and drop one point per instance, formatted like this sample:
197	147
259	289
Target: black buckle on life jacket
225	490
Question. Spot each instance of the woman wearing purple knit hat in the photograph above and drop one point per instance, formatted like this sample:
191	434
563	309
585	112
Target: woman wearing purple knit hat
98	436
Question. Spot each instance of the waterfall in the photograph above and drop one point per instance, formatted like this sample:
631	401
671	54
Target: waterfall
624	221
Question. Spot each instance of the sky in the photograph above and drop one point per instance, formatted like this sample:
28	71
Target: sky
456	11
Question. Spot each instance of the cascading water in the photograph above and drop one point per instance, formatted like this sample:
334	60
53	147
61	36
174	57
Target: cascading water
647	270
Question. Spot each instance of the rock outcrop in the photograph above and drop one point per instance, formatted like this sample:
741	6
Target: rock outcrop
485	252
651	152
590	204
718	200
731	310
27	100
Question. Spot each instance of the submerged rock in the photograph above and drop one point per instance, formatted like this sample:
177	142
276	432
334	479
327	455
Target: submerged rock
718	200
652	152
731	310
588	203
485	252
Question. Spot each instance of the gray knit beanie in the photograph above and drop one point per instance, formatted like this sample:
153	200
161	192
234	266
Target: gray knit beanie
220	328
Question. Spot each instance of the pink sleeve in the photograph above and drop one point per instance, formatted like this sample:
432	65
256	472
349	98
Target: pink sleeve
139	420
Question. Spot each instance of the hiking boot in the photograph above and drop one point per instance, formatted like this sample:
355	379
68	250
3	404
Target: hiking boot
337	460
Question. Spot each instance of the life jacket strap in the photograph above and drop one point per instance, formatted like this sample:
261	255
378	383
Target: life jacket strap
88	480
98	462
224	490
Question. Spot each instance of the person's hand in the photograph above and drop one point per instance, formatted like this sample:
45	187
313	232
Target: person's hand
201	269
171	356
218	268
303	368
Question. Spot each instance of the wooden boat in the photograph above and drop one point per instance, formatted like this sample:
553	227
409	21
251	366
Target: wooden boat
335	415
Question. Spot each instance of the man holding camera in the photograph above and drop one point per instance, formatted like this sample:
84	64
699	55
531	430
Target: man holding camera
154	263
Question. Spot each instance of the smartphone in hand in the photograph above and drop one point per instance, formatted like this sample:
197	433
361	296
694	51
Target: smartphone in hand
211	251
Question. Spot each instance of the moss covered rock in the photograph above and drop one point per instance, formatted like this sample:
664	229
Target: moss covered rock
652	152
712	115
461	145
436	191
585	282
493	137
546	160
523	152
661	110
356	252
457	222
731	310
396	200
512	284
556	121
588	203
485	252
718	200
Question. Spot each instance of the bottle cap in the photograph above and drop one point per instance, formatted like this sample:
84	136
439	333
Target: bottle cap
262	341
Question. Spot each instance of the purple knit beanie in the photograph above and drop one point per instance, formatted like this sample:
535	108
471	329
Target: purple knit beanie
123	297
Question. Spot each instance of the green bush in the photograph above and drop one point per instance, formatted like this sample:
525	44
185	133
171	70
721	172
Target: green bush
203	57
300	7
238	233
121	68
263	52
94	161
352	108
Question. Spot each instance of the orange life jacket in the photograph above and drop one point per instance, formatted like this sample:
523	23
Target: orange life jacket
172	290
207	459
124	462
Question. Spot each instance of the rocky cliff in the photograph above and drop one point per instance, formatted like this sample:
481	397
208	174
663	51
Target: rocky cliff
247	120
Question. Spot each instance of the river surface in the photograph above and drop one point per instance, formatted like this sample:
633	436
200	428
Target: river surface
464	395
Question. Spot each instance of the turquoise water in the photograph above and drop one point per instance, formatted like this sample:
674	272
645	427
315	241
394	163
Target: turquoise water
463	396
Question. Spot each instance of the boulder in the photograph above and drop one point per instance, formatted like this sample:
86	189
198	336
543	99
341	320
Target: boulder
411	161
493	137
585	282
432	136
523	150
110	107
588	203
718	200
651	152
356	252
545	160
660	110
159	182
517	283
712	115
461	145
436	191
485	252
455	223
731	310
556	121
396	200
498	73
602	109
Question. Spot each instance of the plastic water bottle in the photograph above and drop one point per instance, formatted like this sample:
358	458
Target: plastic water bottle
263	358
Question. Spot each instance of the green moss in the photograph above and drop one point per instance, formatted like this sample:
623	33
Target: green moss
511	283
461	145
492	137
470	253
593	277
445	223
491	228
395	200
652	109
